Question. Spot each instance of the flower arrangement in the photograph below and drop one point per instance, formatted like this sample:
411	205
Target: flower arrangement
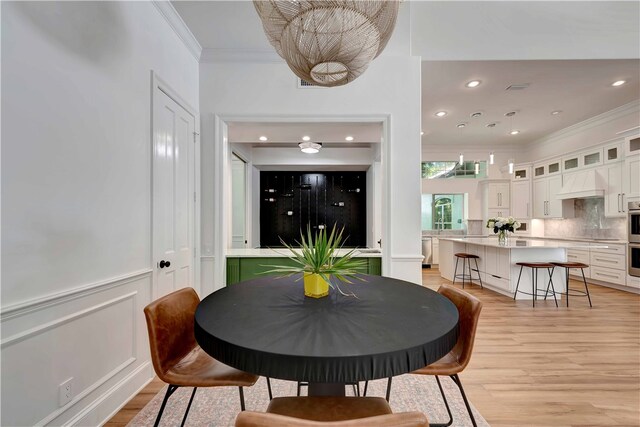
318	260
501	226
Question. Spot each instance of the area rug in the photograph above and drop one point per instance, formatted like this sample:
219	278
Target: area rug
219	406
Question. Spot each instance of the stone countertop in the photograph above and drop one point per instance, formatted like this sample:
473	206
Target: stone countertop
284	253
516	243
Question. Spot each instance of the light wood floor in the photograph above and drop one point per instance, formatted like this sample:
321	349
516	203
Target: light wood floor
546	366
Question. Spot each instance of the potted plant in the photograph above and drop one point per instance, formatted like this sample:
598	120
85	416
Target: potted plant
318	260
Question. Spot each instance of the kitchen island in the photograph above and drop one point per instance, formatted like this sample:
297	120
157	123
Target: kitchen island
248	263
497	263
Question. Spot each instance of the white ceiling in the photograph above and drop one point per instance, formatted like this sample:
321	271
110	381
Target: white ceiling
533	41
581	89
287	134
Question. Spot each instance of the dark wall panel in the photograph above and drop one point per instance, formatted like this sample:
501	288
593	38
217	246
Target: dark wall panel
291	200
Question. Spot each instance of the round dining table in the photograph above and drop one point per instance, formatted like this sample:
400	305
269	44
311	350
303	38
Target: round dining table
266	326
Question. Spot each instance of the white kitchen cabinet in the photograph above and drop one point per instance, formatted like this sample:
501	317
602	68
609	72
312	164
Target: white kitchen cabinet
632	145
497	267
521	173
435	251
613	196
613	152
493	213
549	167
591	157
545	201
579	255
631	182
521	199
498	195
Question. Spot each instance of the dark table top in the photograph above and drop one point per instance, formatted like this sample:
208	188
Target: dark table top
267	326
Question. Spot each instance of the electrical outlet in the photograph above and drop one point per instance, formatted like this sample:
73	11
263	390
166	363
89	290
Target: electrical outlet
65	392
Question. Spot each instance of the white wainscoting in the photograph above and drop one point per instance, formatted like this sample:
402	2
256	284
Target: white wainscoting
95	334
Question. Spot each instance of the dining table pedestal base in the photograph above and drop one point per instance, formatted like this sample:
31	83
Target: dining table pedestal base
326	389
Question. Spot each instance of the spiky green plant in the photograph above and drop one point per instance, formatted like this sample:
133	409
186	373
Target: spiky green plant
318	254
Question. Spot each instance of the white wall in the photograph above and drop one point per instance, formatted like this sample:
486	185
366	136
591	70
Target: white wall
76	253
471	186
391	86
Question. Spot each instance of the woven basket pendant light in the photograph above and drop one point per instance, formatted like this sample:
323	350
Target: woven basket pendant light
328	43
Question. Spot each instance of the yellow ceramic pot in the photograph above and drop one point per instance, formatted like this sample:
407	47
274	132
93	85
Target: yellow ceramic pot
315	286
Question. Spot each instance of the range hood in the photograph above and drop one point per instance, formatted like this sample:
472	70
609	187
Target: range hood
582	185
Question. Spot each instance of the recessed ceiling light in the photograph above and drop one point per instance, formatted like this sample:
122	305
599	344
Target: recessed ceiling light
476	114
491	125
618	83
473	83
421	133
514	132
349	138
461	125
441	113
306	138
556	112
510	114
263	138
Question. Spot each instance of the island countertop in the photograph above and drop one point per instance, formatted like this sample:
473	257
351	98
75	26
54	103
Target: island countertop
284	253
515	243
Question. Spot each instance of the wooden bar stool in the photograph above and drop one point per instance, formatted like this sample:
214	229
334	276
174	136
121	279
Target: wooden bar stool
535	266
568	266
466	260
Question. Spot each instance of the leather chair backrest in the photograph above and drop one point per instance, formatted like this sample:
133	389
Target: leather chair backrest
170	322
469	308
264	419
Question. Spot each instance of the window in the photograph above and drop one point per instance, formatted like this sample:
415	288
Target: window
431	170
443	211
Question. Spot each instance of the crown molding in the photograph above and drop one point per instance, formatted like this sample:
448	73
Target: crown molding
214	55
175	21
626	109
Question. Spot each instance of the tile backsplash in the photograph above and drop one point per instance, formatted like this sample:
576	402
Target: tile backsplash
589	222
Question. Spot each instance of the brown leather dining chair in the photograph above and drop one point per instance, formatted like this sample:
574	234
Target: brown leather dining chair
177	358
323	411
457	359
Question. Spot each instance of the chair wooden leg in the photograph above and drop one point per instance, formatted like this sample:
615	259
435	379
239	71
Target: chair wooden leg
456	379
269	388
241	398
184	419
169	392
388	389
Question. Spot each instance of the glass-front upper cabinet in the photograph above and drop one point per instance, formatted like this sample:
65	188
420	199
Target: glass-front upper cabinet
550	167
613	153
591	157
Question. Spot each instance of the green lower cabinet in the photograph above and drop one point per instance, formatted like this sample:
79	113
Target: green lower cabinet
241	269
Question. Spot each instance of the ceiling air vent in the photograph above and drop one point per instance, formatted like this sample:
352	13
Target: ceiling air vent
303	84
518	86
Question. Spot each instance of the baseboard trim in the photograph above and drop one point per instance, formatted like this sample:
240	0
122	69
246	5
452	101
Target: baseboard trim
144	371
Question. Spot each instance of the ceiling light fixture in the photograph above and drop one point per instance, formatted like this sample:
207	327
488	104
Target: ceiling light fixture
349	138
263	138
309	147
461	159
491	158
556	112
510	166
510	114
306	138
491	125
461	125
473	83
441	113
328	43
476	114
476	167
618	83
